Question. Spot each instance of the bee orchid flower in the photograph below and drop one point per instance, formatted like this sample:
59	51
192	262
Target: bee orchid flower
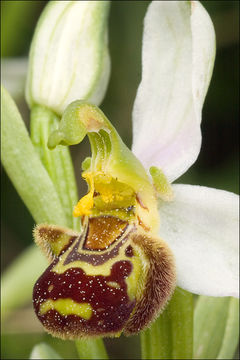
118	273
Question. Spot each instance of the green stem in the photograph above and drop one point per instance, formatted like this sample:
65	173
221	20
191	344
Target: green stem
57	162
91	349
171	335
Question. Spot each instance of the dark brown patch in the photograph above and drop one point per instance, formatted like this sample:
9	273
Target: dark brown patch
103	231
50	232
160	283
96	258
129	251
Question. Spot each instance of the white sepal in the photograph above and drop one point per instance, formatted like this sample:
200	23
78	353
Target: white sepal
201	228
177	60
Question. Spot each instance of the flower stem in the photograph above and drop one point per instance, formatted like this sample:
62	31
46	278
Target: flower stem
91	349
57	162
171	335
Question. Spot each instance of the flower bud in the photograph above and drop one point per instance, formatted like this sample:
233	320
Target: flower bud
69	55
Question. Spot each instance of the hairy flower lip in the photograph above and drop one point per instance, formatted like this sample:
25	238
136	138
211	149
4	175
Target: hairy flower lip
92	291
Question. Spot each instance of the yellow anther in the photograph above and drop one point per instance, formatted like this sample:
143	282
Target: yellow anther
105	192
85	204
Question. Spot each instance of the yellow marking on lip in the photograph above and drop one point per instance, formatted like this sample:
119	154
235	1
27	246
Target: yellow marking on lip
90	269
50	288
67	307
113	284
136	280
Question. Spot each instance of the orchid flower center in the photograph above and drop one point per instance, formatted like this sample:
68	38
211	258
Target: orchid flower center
118	184
116	275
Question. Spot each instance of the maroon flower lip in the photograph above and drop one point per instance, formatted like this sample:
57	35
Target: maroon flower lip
107	296
89	290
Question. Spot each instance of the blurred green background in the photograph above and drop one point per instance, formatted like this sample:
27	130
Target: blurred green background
217	165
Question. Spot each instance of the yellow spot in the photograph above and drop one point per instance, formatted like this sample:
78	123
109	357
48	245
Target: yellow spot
118	334
113	284
60	243
67	307
136	280
50	288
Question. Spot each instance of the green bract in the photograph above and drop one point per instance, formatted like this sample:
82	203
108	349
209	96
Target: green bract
69	55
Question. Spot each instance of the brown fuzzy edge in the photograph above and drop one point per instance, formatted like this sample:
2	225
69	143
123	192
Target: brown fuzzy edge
44	239
160	282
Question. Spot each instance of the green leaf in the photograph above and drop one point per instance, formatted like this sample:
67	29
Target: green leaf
43	351
18	280
37	191
25	169
216	330
171	335
231	334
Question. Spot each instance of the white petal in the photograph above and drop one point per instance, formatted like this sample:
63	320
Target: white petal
201	228
177	59
204	49
14	73
69	57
